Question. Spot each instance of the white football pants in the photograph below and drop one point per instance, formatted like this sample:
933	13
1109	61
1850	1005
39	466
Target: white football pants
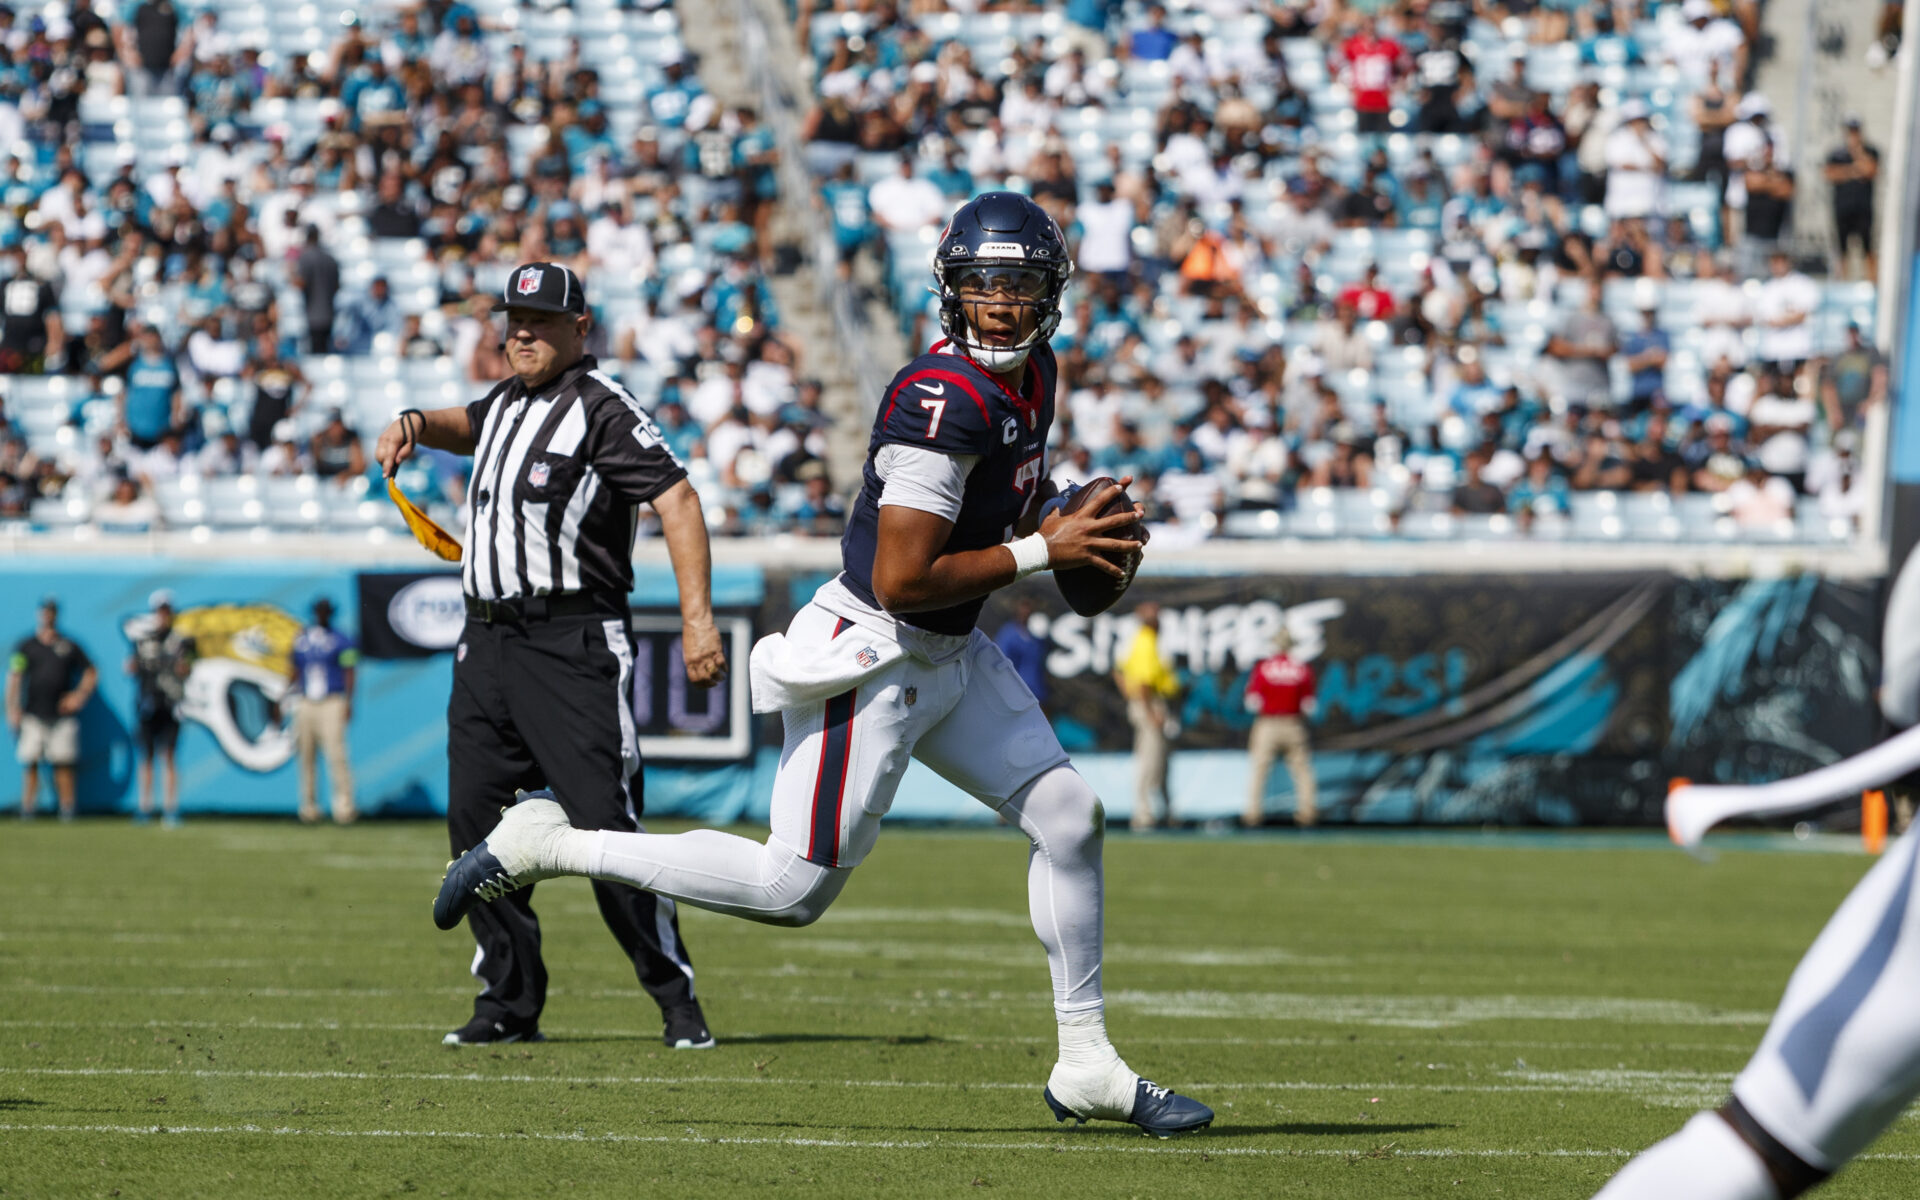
973	721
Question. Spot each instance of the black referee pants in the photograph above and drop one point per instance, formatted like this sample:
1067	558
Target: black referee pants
544	704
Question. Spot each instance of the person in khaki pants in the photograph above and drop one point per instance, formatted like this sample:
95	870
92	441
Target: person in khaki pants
1280	695
1148	685
320	679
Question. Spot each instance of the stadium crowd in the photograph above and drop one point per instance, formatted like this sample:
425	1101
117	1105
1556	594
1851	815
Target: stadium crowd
1445	258
1468	259
229	252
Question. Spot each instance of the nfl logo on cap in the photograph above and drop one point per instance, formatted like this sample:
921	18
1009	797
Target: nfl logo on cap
542	287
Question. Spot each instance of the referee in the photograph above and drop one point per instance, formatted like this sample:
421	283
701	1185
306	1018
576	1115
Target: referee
562	458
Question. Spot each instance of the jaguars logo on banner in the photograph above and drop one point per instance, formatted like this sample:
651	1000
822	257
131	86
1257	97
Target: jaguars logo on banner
239	674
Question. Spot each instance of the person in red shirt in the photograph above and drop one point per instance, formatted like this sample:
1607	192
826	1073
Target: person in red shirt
1373	63
1280	695
1371	301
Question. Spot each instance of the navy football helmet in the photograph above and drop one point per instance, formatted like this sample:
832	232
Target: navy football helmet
1001	242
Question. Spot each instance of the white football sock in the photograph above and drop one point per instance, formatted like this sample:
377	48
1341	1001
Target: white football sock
534	841
1706	1160
1091	1078
1062	817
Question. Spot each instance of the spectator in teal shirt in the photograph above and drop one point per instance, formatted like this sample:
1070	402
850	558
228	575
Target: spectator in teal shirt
846	201
150	405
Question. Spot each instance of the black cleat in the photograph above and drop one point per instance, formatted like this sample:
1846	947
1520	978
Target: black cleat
485	1031
1162	1112
686	1028
474	877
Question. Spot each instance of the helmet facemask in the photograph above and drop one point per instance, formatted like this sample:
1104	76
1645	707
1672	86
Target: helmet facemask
1030	290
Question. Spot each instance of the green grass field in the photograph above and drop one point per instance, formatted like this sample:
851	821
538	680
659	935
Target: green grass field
255	1009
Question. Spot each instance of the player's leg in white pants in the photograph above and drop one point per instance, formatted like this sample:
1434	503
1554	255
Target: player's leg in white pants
1840	1061
997	745
839	768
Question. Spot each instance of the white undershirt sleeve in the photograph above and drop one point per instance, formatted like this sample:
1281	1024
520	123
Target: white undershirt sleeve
918	478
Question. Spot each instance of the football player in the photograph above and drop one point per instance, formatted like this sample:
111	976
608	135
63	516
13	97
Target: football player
885	663
1841	1059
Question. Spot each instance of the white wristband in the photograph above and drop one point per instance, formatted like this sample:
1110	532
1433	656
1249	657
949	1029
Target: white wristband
1030	555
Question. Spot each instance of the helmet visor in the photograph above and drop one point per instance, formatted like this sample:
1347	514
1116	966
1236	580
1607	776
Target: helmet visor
1002	283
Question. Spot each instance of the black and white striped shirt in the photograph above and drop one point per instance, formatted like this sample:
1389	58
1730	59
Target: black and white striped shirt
557	477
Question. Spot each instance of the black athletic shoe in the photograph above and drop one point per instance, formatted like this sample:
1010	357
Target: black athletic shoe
485	1031
687	1028
1159	1111
474	877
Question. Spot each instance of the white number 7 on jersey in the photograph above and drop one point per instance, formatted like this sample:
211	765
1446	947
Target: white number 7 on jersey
939	409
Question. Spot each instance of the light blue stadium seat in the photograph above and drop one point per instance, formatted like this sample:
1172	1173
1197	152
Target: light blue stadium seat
1597	516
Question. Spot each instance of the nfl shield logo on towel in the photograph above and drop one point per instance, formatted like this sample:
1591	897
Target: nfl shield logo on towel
537	475
530	281
867	656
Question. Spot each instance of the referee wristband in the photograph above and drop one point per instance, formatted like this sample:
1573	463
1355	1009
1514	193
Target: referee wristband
1030	555
412	432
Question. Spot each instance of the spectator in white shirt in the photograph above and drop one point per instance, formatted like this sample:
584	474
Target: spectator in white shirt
1723	312
1703	39
1784	312
1758	500
1180	365
1096	414
1106	233
161	464
214	355
1341	344
1834	476
284	456
619	246
1745	138
1026	109
903	204
1073	467
1779	421
1636	165
673	339
1192	490
224	453
717	395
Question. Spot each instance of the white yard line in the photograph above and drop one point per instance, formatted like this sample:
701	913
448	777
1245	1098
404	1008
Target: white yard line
1199	1144
1399	1011
1570	1083
740	1036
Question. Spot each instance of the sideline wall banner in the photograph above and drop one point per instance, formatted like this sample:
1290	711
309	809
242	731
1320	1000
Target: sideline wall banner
1508	699
236	750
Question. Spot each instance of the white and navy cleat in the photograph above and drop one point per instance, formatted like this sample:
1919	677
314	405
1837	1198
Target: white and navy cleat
507	860
1159	1111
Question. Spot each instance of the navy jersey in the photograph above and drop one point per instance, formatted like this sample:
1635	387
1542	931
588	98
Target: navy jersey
949	403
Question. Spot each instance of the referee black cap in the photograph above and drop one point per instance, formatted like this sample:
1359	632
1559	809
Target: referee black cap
545	286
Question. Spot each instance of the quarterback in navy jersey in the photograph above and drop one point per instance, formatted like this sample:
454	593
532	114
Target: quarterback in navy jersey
946	403
885	665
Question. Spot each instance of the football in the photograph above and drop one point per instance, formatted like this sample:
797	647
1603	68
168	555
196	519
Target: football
1088	590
